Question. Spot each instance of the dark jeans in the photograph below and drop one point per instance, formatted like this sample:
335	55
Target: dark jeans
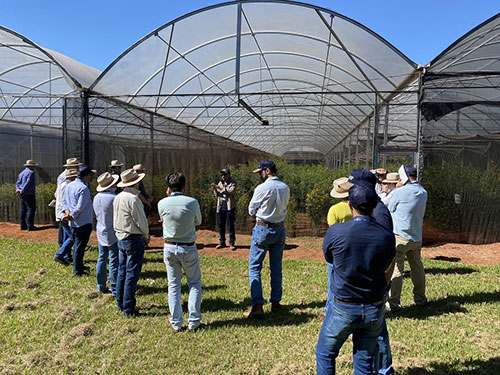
65	250
28	207
228	216
60	234
81	237
131	256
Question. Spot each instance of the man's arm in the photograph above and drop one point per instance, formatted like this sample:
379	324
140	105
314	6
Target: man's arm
255	202
139	218
197	214
327	249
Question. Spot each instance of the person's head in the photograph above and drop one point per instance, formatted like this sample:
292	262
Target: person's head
391	180
106	181
337	192
71	174
381	174
139	168
130	178
72	163
176	182
266	169
360	176
407	173
225	174
116	166
362	200
30	164
85	173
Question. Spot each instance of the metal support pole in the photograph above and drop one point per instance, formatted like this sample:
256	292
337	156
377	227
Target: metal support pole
367	151
86	129
349	154
189	173
65	129
376	123
357	148
420	153
386	132
152	150
238	52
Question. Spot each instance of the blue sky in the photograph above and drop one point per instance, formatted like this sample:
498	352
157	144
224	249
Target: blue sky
97	32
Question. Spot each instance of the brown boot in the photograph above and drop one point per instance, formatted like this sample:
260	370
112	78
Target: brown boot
257	312
276	306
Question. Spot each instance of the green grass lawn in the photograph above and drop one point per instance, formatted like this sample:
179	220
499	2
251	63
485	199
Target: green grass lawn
53	323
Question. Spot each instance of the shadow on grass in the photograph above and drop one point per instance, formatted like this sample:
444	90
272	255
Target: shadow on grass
144	290
473	367
282	318
444	271
450	304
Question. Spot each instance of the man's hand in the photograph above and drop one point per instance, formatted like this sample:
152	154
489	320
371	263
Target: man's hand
214	186
146	241
18	192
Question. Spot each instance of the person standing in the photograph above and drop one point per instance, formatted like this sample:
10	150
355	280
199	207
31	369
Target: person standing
25	189
106	237
145	198
388	186
64	255
407	206
268	205
225	192
362	253
132	230
77	205
380	174
71	164
180	215
116	169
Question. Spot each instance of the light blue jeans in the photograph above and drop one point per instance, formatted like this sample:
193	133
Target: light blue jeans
263	239
107	253
178	258
364	322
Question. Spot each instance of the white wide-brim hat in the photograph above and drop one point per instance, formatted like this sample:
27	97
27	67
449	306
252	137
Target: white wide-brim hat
30	163
337	191
130	178
139	167
71	173
391	178
106	180
115	163
72	162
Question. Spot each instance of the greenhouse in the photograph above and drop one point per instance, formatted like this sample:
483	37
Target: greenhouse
310	86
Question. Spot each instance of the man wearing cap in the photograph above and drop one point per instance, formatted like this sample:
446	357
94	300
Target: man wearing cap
25	189
362	253
180	215
106	237
72	164
132	230
77	204
116	169
145	198
388	186
268	205
380	174
407	206
64	256
226	207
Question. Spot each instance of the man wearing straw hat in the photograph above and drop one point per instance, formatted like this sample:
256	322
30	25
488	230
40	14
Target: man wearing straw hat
25	188
131	228
388	186
106	237
77	204
71	164
116	169
64	256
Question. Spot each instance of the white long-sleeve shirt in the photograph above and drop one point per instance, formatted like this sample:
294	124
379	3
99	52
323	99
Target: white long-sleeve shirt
128	215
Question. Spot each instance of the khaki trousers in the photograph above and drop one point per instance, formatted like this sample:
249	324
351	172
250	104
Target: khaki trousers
411	251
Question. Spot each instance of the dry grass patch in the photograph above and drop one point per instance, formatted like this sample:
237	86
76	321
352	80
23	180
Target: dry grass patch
25	305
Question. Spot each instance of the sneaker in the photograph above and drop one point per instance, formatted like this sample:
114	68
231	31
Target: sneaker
177	330
257	312
276	306
197	328
220	246
64	262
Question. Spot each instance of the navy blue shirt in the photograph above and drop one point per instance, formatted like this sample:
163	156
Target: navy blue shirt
361	250
383	216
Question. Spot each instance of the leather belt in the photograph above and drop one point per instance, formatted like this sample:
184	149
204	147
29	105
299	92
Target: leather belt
264	224
356	303
180	243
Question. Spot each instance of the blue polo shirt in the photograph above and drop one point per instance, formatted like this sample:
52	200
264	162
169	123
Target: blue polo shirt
361	250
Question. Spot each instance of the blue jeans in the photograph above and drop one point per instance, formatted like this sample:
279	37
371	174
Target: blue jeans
131	256
81	236
329	295
364	322
60	234
224	216
65	249
266	238
185	258
27	208
105	253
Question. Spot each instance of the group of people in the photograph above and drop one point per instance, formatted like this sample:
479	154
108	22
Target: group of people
372	229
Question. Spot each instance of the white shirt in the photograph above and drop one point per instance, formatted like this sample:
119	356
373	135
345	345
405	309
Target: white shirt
128	215
270	200
59	195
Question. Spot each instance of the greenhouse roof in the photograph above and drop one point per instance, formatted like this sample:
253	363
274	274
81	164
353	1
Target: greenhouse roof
274	75
33	80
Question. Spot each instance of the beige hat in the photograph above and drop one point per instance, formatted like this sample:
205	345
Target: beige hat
30	163
106	180
71	173
337	191
72	162
139	167
115	163
130	178
391	178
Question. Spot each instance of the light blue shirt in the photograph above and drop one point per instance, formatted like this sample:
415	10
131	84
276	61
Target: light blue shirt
26	182
103	209
407	207
180	215
77	200
270	200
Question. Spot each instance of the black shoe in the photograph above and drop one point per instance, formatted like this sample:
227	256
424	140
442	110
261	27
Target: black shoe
32	229
132	314
69	260
24	228
83	273
86	268
64	262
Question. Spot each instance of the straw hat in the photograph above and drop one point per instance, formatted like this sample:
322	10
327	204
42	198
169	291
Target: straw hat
130	178
139	167
115	163
106	180
391	178
337	191
71	173
30	163
72	162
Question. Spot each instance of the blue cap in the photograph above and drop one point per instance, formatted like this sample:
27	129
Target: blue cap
363	197
362	176
225	171
85	171
410	171
264	164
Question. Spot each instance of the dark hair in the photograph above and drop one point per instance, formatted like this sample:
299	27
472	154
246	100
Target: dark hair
176	181
273	169
365	211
